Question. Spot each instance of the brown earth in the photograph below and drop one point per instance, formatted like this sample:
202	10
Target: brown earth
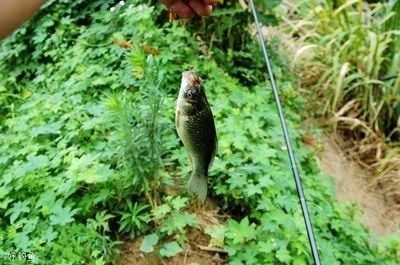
352	185
195	252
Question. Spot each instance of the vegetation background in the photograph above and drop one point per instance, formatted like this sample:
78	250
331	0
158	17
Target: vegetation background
89	156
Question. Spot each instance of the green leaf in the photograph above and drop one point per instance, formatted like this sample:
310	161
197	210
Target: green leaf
17	209
250	254
241	232
32	163
60	215
88	169
51	128
161	211
179	202
170	249
46	201
177	222
283	255
236	181
4	203
217	234
265	181
252	189
148	243
299	261
266	246
21	240
49	234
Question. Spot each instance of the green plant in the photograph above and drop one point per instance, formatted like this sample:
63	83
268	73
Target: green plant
172	224
134	219
74	165
87	151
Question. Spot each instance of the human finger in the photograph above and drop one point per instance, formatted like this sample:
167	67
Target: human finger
210	2
200	7
179	7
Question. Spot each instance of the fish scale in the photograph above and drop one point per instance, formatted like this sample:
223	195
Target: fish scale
197	138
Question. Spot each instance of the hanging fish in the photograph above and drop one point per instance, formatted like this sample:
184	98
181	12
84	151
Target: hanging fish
195	125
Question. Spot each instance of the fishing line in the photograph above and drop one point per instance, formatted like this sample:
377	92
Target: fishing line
299	187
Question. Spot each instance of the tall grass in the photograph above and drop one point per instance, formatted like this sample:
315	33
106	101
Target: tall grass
349	57
361	82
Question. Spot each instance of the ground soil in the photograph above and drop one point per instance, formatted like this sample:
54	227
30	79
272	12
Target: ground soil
352	185
195	252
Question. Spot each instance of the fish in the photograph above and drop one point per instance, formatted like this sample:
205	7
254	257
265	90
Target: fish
196	128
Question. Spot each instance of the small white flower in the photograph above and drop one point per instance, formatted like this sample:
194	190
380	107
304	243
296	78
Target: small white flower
121	3
112	9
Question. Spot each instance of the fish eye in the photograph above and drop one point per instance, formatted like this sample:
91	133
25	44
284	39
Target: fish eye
190	94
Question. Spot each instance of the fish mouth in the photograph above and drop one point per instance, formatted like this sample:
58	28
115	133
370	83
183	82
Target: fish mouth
188	77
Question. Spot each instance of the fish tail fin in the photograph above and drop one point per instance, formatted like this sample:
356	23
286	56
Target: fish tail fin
198	185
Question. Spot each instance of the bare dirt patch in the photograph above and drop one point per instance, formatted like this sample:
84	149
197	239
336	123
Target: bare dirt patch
352	185
195	251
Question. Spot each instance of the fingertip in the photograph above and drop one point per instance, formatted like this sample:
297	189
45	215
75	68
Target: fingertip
206	11
182	10
186	14
189	15
200	8
210	2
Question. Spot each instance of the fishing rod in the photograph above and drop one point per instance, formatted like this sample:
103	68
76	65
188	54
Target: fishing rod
299	187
